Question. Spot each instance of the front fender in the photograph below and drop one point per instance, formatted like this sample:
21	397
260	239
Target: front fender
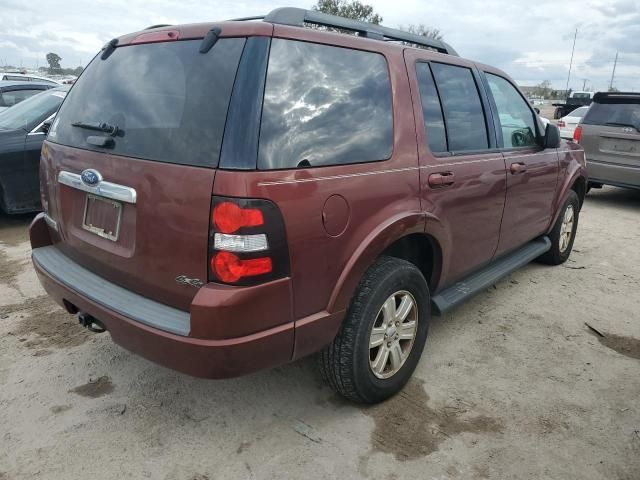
371	247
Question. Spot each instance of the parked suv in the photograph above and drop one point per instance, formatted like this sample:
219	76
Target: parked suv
610	136
234	196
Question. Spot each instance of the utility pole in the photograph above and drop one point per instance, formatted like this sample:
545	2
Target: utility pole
584	84
571	63
613	74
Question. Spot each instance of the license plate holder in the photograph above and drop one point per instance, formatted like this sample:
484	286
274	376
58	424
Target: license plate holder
102	217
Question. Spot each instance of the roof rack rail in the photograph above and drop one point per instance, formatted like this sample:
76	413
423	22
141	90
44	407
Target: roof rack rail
158	26
298	17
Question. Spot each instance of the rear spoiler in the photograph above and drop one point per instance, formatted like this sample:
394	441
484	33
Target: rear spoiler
617	97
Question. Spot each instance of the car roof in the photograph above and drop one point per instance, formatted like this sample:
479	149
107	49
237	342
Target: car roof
28	75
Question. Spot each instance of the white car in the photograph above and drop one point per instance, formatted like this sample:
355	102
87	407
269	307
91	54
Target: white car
568	123
25	77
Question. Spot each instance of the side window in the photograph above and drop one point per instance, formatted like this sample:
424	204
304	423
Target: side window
432	111
463	112
324	105
517	122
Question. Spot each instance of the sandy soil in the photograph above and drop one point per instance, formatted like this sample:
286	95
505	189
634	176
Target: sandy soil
512	385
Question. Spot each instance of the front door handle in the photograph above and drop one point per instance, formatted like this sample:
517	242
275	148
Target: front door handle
517	168
443	179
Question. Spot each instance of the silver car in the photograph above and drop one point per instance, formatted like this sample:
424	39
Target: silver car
610	135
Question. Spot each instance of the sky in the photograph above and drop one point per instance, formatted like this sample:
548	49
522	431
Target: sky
531	40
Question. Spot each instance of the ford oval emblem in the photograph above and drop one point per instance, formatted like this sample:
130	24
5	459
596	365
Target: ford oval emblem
91	177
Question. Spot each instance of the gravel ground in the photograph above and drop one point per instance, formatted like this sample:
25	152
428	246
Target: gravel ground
512	385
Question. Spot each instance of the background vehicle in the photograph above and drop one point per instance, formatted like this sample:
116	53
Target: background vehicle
610	136
568	123
25	77
575	100
12	93
22	131
304	208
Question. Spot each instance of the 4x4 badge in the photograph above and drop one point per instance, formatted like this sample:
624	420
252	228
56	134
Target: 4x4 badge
192	282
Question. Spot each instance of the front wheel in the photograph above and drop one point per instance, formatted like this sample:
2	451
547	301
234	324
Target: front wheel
564	232
383	335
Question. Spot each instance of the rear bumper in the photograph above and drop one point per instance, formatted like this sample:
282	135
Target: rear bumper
198	357
229	331
613	174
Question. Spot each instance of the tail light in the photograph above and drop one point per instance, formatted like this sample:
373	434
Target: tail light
561	124
577	134
247	242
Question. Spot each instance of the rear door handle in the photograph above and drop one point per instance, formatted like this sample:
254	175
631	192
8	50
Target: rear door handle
517	168
443	179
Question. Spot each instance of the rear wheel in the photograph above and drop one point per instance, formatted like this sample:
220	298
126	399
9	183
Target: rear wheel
564	232
383	334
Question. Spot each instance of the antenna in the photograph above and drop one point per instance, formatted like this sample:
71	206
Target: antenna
571	64
613	74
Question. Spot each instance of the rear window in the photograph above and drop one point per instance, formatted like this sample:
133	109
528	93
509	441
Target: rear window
324	105
614	114
168	101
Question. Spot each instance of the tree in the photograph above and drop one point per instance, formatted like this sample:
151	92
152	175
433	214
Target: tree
543	89
53	59
423	31
350	9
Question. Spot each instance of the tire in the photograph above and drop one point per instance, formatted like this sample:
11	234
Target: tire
346	364
561	239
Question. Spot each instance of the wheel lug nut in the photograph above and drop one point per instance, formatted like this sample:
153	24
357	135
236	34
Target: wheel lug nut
397	324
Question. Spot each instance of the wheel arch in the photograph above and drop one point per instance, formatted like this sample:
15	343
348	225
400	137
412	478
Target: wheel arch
580	187
401	237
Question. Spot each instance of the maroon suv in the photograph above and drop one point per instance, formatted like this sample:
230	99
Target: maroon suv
232	196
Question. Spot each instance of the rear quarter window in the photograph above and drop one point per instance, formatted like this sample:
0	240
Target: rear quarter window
324	105
168	100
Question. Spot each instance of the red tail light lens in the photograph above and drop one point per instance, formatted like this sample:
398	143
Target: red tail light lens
577	134
230	268
247	242
229	217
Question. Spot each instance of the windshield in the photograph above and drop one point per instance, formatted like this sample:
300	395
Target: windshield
160	101
622	114
29	113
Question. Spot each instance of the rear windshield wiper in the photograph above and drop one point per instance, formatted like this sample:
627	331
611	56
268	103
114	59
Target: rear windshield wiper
98	127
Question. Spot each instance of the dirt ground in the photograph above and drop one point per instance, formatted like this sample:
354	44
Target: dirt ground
512	385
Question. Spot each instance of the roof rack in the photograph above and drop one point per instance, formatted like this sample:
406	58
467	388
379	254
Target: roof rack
158	26
298	17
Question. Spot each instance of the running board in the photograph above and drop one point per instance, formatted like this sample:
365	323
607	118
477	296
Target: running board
489	275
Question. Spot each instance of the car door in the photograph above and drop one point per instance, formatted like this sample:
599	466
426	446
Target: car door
462	174
532	170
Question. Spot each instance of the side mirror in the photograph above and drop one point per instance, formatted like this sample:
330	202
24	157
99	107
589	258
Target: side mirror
46	126
552	136
537	110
